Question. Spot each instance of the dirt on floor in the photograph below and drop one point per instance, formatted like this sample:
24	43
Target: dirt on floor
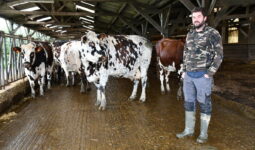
235	80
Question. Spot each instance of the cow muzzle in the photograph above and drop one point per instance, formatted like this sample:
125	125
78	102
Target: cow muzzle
27	65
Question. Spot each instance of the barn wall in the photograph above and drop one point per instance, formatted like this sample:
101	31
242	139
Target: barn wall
239	51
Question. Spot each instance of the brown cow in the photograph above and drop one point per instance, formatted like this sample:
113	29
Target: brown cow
169	56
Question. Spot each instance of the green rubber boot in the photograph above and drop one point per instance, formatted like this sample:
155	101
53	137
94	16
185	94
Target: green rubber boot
205	120
189	125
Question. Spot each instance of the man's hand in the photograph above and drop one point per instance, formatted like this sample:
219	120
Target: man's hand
183	75
206	76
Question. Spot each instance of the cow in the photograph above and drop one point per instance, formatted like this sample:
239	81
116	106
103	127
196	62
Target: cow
56	48
169	57
70	61
37	58
126	56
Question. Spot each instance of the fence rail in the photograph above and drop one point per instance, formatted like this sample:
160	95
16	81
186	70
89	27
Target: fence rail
11	68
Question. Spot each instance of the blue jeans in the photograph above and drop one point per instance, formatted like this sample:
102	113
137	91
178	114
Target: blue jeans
197	89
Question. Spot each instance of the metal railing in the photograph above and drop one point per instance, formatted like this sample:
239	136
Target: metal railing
11	68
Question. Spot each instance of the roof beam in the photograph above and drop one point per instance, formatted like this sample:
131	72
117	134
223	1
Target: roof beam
211	7
147	17
131	26
188	4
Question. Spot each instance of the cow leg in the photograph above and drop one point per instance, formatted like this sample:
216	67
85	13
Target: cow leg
161	72
41	82
67	78
82	82
103	99
73	78
98	102
167	80
32	86
49	80
133	95
143	95
49	76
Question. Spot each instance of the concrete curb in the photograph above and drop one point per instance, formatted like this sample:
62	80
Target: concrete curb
240	108
13	93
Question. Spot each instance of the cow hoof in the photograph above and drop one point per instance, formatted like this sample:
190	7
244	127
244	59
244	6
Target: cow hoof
82	91
33	95
131	99
101	108
88	89
163	93
142	100
97	103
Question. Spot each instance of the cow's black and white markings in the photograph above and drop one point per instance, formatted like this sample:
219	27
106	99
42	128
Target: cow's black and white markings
70	61
37	58
126	56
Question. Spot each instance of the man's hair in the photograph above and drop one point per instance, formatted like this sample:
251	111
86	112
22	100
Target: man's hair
199	9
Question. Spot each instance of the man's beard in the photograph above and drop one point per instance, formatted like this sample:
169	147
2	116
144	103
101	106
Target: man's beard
200	25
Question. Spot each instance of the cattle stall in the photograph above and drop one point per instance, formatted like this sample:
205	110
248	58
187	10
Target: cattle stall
106	74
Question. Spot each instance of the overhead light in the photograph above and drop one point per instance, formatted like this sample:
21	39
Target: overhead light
88	27
86	19
58	31
90	17
31	9
85	9
63	31
48	25
17	4
53	26
88	3
43	19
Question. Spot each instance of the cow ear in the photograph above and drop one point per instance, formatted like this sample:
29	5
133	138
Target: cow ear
38	49
102	36
16	49
84	39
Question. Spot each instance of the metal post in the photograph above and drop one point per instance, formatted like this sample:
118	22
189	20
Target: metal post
1	62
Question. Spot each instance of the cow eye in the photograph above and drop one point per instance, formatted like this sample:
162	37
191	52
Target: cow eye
32	54
91	44
22	55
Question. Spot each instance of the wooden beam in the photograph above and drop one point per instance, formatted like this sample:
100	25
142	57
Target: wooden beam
98	0
55	13
211	7
119	12
243	32
131	26
188	4
239	16
147	17
199	3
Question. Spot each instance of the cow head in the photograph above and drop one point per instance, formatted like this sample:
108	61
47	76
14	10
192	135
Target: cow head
92	48
28	53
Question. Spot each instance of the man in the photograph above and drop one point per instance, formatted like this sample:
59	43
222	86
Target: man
202	56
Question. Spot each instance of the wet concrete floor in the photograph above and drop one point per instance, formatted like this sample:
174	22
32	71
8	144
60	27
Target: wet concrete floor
64	119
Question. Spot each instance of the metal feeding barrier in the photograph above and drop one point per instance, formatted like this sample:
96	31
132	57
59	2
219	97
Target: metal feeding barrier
11	68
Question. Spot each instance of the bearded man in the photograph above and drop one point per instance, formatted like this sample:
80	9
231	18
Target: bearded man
202	56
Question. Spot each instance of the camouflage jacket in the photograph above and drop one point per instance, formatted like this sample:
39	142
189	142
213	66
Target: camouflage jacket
203	51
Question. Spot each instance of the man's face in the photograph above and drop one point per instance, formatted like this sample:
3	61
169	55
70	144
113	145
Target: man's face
198	19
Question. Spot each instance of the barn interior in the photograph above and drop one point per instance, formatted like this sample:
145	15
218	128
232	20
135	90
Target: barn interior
23	21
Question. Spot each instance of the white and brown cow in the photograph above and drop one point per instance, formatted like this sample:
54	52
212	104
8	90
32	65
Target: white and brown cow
126	56
169	56
37	58
70	61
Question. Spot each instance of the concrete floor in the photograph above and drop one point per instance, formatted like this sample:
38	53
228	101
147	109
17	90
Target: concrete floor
64	119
